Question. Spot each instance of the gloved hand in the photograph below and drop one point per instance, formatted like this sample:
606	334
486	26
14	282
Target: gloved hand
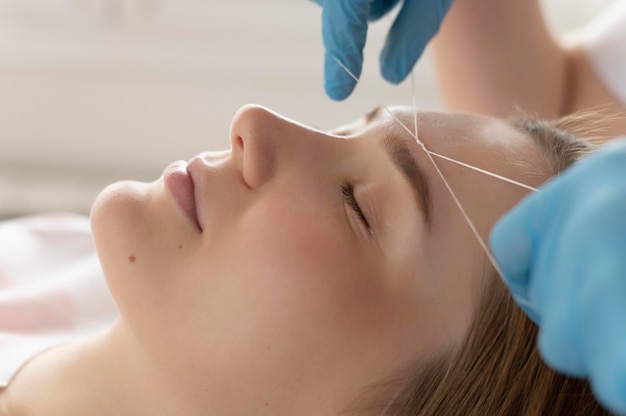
344	28
564	250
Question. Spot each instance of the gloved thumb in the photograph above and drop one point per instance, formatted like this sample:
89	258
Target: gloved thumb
603	313
606	343
513	242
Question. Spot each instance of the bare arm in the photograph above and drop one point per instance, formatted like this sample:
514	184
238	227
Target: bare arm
494	56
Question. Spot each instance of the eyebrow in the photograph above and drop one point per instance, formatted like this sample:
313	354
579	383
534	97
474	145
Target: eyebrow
406	163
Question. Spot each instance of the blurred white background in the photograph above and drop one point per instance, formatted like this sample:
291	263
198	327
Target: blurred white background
93	91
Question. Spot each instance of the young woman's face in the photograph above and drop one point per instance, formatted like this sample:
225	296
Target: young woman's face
281	279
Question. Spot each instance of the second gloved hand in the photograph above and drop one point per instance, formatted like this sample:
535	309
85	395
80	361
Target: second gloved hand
344	30
564	251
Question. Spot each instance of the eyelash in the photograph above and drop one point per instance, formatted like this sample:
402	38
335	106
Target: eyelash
347	189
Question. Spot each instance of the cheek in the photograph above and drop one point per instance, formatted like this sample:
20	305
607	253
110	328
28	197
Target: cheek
302	253
292	271
293	277
285	281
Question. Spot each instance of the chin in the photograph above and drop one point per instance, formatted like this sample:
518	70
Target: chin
116	202
117	217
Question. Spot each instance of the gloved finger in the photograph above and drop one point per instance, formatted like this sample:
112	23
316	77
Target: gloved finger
344	30
604	323
319	2
514	241
603	305
417	22
609	385
558	345
555	284
584	319
379	8
525	241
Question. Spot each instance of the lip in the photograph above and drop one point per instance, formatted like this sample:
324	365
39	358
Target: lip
180	184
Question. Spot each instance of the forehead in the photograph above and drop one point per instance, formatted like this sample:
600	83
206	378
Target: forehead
485	142
456	129
459	129
474	139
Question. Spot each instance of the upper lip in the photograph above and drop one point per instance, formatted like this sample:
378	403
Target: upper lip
194	173
198	168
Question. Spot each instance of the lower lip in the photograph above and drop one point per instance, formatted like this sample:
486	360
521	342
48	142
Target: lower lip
179	183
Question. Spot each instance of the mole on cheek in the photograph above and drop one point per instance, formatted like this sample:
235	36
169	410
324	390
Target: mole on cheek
131	259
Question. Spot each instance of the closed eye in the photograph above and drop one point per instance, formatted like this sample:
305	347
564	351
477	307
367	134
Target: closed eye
347	189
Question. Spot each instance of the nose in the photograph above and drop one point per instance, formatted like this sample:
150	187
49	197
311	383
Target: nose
264	142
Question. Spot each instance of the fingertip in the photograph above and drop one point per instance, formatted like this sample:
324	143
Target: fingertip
338	83
394	67
380	8
344	32
511	248
606	349
609	386
337	92
558	347
337	86
407	38
393	75
497	238
526	305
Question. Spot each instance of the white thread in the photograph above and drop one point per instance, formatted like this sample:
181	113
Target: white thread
452	194
458	162
415	110
416	137
486	172
430	154
467	219
393	399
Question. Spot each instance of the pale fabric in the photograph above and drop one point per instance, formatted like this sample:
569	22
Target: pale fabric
51	287
604	40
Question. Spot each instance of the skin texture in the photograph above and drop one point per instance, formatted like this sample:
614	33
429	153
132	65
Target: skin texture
496	57
284	297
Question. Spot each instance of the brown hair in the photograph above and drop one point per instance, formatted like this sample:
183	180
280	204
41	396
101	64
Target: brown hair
497	369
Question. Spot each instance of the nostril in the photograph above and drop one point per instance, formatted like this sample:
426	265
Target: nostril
239	142
237	149
254	133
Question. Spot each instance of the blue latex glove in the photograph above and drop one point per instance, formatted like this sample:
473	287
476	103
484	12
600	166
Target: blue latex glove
564	250
344	29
